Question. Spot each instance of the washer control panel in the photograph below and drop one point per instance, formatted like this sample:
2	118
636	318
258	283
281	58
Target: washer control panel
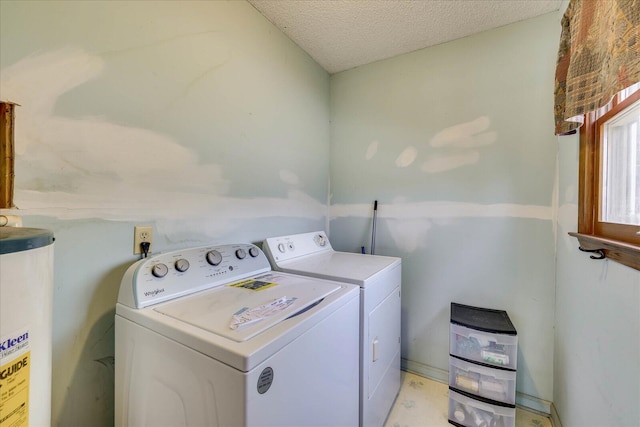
285	248
174	274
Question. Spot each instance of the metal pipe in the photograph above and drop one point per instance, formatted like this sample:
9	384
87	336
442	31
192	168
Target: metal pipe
373	228
7	154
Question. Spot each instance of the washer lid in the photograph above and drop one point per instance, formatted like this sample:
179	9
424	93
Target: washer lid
213	310
341	266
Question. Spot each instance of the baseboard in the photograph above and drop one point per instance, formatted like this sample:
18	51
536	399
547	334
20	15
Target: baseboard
532	403
426	371
525	401
555	418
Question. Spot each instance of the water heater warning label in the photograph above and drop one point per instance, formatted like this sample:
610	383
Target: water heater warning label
14	391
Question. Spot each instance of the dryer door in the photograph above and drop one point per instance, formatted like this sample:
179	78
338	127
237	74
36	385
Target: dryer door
381	360
384	338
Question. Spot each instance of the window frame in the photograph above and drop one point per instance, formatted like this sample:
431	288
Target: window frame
619	242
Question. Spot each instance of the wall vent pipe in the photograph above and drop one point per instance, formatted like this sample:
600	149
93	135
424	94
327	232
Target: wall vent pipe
7	154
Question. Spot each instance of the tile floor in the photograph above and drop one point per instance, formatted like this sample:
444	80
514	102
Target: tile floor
424	403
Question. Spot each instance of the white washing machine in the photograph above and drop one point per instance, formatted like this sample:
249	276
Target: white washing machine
379	278
210	336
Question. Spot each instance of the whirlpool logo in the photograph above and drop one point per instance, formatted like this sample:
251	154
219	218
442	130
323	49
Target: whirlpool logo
154	292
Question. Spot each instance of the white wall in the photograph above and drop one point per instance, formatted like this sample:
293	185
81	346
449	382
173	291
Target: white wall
597	341
231	121
456	143
199	118
597	344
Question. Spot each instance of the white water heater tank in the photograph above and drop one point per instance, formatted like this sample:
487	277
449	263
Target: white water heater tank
26	288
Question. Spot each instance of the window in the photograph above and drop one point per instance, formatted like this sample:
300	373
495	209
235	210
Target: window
620	178
609	193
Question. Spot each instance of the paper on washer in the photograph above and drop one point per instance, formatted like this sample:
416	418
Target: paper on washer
247	316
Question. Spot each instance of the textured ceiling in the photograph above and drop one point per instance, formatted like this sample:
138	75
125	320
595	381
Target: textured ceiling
342	34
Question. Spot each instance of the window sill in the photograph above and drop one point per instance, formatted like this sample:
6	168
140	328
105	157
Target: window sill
624	253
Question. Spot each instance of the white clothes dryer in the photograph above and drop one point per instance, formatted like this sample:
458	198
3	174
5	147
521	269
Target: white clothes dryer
379	278
211	336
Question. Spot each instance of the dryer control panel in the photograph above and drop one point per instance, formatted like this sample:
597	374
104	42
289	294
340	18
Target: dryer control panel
286	248
178	273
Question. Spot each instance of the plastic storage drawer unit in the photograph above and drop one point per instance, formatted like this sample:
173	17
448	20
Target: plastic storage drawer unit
491	383
467	412
483	335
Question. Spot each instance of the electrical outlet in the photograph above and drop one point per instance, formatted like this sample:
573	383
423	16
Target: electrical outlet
142	234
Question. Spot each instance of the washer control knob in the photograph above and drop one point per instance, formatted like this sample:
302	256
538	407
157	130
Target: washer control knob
281	247
320	240
159	270
214	257
241	253
254	252
182	265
